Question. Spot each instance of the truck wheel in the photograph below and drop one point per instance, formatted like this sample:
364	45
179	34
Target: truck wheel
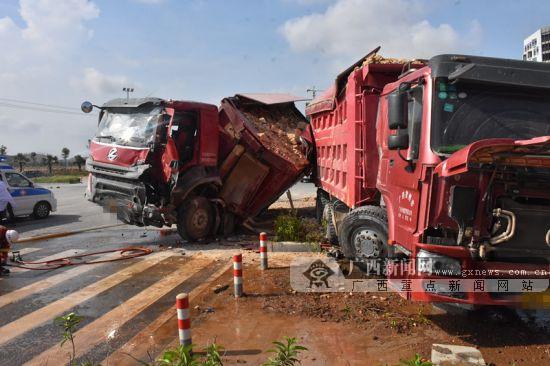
41	210
320	203
330	232
364	233
195	219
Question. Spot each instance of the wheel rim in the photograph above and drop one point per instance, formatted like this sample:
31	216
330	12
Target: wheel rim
199	220
42	210
368	243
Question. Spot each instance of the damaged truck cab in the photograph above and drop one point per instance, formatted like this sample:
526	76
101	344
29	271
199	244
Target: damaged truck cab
163	162
149	156
462	168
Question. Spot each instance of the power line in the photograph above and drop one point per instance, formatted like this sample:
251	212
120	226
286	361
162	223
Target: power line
38	109
40	104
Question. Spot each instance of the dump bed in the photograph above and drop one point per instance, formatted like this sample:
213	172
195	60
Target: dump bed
343	120
263	149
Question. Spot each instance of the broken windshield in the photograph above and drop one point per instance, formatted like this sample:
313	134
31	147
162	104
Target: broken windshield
129	126
464	113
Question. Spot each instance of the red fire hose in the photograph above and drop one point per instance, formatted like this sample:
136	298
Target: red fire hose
125	253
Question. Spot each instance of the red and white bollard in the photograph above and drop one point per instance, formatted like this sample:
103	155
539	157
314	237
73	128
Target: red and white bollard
184	322
263	250
238	274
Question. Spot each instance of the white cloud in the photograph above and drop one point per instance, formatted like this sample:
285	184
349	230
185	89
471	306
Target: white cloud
97	83
350	28
37	59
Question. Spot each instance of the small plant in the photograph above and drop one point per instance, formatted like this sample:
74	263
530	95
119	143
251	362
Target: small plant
346	310
69	324
285	354
294	228
213	357
289	228
417	360
181	356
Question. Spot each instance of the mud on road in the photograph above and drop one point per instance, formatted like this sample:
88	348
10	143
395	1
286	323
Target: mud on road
350	329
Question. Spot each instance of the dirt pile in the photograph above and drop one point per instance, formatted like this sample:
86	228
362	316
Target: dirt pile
279	130
378	59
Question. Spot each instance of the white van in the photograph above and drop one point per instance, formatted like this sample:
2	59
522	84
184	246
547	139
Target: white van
29	198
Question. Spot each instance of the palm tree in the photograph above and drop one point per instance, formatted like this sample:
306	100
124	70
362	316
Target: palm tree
21	160
49	160
3	149
33	158
79	160
65	154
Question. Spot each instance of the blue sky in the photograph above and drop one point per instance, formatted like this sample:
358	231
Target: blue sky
61	52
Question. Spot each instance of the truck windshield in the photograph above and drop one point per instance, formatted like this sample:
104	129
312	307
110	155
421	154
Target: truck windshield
464	113
129	127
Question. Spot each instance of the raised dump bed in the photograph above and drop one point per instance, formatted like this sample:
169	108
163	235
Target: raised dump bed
263	148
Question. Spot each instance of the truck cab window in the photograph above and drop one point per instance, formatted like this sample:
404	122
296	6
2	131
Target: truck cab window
184	130
415	110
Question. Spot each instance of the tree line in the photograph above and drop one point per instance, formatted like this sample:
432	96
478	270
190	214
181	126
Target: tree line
48	160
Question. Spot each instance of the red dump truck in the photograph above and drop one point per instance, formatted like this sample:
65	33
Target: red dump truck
163	162
444	164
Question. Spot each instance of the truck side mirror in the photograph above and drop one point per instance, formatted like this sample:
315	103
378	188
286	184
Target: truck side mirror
87	107
397	110
399	141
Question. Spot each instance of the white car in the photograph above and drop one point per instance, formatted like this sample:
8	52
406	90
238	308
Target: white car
29	198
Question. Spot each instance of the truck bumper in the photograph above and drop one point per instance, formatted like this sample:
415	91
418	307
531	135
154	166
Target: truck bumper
514	277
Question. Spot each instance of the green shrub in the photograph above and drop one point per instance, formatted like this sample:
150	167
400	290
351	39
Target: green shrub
285	354
294	228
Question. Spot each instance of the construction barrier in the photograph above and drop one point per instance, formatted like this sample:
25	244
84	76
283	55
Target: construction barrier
263	251
184	321
238	274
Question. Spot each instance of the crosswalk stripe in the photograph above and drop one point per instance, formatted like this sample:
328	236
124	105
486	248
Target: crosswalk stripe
50	311
51	281
138	345
65	253
99	330
25	251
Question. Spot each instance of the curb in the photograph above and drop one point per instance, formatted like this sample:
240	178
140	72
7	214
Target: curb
63	234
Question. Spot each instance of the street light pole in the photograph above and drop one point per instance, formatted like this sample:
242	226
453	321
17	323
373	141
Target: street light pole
128	91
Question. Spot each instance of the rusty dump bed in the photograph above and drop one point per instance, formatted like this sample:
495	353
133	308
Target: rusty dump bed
261	150
343	120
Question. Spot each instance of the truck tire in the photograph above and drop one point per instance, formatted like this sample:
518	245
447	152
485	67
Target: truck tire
364	234
320	203
330	233
196	219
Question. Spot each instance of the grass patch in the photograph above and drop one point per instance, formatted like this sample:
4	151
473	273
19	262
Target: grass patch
293	228
59	179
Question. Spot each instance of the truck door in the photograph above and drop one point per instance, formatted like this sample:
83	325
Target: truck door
170	157
400	173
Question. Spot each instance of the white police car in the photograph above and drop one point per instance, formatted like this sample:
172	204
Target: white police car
29	198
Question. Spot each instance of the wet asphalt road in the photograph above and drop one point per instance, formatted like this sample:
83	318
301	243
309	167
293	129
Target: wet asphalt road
117	300
140	289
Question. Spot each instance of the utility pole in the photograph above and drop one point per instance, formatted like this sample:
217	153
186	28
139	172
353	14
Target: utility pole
128	91
313	92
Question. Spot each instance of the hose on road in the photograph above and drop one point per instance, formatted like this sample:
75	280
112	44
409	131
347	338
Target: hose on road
77	260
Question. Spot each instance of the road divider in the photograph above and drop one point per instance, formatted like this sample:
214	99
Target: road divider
263	251
238	274
184	321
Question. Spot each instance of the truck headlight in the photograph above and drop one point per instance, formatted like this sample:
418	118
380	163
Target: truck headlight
437	264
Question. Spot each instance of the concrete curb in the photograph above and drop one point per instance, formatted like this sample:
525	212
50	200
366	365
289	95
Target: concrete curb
63	234
450	354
